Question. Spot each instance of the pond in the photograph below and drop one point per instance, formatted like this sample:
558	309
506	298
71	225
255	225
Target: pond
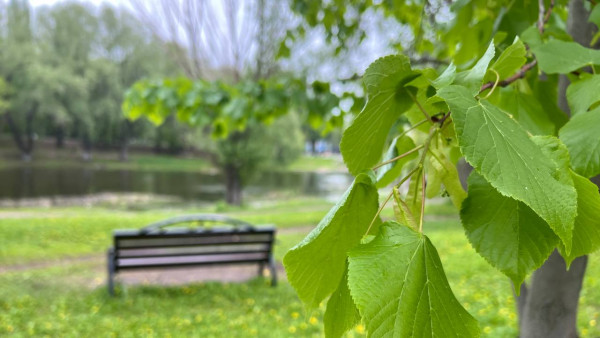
31	182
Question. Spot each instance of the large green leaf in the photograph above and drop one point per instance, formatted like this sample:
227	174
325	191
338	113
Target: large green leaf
527	111
446	78
473	78
564	57
500	150
400	288
586	234
387	98
581	135
582	94
341	314
511	60
506	232
316	265
389	172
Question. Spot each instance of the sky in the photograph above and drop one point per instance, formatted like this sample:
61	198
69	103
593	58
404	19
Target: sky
95	2
380	31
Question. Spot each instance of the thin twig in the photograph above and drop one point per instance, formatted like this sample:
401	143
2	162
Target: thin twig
427	116
548	12
398	157
379	211
410	173
422	202
413	127
518	75
540	22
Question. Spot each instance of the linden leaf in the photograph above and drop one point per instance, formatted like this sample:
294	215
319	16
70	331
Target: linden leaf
387	98
400	288
504	231
581	135
316	265
501	151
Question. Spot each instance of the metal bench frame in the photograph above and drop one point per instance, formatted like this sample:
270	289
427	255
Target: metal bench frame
157	230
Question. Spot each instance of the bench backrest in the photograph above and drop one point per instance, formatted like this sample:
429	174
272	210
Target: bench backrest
156	246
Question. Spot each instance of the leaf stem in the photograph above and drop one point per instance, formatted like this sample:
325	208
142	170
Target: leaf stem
427	116
413	127
397	157
379	211
422	202
390	196
495	83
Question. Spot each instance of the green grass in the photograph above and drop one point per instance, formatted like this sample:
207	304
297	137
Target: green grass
153	162
72	232
314	163
70	300
136	162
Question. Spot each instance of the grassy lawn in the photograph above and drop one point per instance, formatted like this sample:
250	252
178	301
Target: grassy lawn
152	162
70	300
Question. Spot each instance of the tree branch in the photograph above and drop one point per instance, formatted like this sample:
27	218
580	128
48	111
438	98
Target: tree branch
518	75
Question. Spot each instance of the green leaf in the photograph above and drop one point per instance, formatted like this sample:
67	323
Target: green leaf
341	314
389	172
586	234
387	98
473	78
582	94
581	135
511	60
504	231
447	173
595	16
527	111
316	265
414	196
402	211
400	288
564	57
446	78
500	150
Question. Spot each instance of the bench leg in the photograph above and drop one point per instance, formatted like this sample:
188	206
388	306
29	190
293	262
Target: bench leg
273	271
111	272
261	269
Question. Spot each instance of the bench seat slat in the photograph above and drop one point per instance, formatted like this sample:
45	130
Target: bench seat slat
191	260
184	232
195	254
182	241
193	250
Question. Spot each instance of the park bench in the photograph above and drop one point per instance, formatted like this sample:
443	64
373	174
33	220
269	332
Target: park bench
158	246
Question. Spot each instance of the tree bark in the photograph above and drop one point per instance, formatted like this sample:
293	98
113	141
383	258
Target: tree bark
123	154
550	304
86	145
233	182
552	298
24	145
60	137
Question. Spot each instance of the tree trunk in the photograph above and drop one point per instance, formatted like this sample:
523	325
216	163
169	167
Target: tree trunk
233	183
123	154
60	137
551	300
25	146
548	308
86	145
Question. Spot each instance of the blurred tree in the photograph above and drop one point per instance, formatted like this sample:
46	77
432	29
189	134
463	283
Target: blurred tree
18	60
67	67
236	41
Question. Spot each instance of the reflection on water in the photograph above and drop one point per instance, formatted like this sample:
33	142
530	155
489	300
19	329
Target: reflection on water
29	182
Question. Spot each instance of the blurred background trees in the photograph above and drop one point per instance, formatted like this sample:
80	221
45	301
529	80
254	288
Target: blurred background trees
66	67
